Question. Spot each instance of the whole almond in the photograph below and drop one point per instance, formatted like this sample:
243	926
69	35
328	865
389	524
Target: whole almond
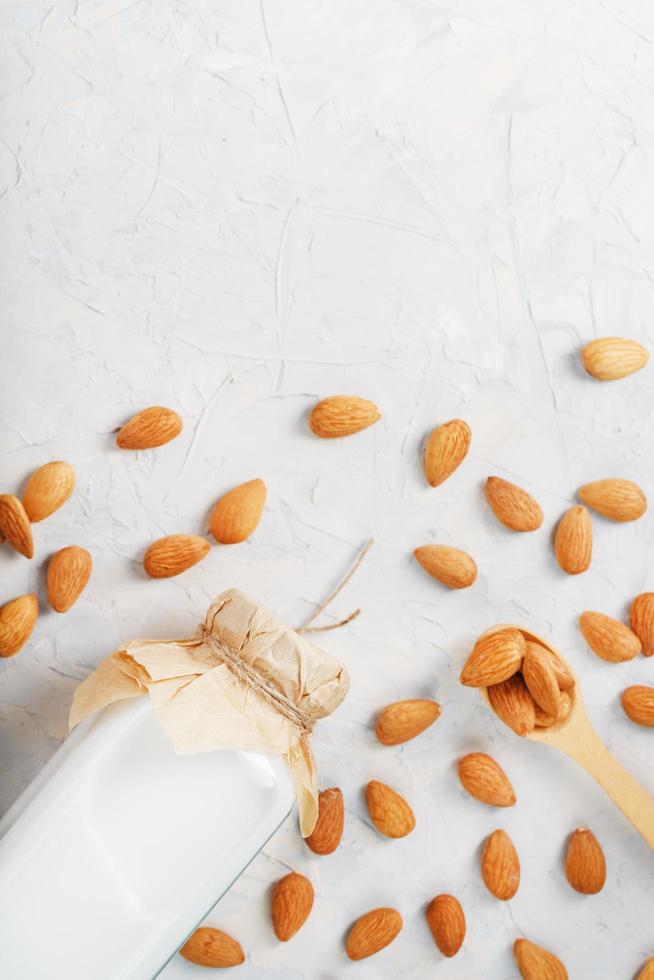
446	448
641	619
17	619
238	512
174	554
485	779
342	415
647	972
373	931
213	948
452	567
15	525
496	657
545	720
447	923
611	358
638	703
403	720
68	572
513	704
562	672
150	428
513	506
536	963
326	835
390	812
290	905
619	500
48	489
573	541
500	866
585	867
540	677
609	639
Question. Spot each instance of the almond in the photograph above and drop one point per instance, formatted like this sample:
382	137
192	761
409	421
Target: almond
15	525
174	554
647	972
446	448
638	703
513	704
342	415
611	358
150	428
447	923
585	867
540	677
238	512
609	639
496	657
212	947
500	866
68	572
372	932
450	566
536	963
403	720
17	619
544	720
573	541
563	673
641	618
390	812
485	779
619	500
290	905
513	506
326	835
48	489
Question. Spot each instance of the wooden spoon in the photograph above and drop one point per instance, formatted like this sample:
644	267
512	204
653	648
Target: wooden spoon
577	738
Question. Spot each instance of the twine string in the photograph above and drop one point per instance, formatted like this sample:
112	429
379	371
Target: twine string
307	627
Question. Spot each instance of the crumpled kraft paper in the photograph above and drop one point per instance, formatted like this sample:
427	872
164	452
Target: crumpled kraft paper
202	705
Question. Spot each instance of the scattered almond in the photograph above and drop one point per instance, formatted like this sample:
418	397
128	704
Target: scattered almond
342	415
390	812
373	931
638	703
17	619
68	572
403	720
513	506
290	904
496	657
647	972
213	948
536	963
500	866
446	448
585	867
15	525
238	512
540	678
150	428
573	541
609	639
48	489
174	554
452	567
641	617
513	704
447	923
326	835
611	358
485	779
619	500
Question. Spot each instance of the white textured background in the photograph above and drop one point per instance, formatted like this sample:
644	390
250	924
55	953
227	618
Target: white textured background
234	208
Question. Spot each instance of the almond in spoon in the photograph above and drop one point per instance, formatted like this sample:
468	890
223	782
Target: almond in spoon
496	657
513	704
540	678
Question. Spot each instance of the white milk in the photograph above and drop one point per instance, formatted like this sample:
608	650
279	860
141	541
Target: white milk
120	847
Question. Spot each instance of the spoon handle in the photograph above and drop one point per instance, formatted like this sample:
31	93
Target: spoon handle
627	794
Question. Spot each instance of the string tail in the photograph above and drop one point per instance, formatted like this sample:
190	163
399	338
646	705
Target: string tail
332	626
307	627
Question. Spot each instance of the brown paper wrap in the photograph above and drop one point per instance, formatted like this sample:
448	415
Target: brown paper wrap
245	681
